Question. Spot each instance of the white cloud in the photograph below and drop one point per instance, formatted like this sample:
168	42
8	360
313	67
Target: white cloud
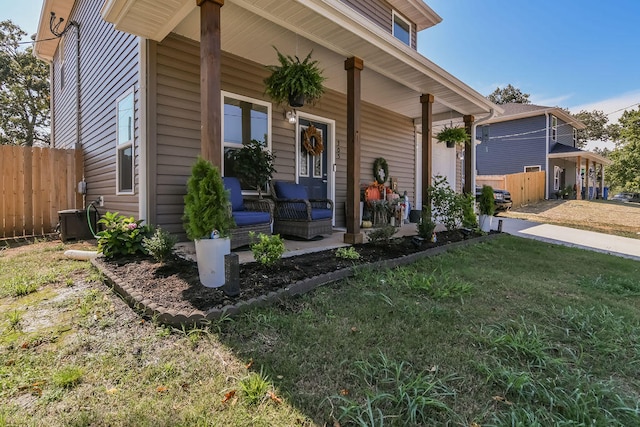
613	107
550	102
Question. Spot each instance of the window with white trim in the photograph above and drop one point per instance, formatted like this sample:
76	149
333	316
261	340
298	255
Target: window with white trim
575	137
125	134
401	29
554	128
244	119
532	168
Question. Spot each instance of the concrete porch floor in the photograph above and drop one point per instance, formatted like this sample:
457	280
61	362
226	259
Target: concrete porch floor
297	247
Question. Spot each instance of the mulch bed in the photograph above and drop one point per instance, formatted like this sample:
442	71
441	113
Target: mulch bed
176	288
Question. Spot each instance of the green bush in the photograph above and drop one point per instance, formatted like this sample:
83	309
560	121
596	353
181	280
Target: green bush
382	235
469	218
160	244
446	204
206	205
122	235
426	227
268	249
487	204
347	253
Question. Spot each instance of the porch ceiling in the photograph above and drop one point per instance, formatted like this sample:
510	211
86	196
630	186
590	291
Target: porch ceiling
394	76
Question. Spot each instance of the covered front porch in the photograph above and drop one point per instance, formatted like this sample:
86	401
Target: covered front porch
584	171
382	96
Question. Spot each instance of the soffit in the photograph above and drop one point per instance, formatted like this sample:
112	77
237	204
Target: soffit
394	76
46	47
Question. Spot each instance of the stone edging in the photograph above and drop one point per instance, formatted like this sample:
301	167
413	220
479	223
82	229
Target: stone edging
201	318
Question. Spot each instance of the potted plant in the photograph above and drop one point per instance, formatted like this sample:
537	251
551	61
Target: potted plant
294	81
253	165
208	221
487	207
452	136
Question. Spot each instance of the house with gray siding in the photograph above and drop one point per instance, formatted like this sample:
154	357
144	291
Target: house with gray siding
143	87
533	138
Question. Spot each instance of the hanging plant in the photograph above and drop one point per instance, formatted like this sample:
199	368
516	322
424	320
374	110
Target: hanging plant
293	79
380	170
453	135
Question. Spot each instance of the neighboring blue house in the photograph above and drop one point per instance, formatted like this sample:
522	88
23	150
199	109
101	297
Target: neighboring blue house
531	138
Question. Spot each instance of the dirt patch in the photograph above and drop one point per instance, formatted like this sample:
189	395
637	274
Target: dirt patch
175	285
622	219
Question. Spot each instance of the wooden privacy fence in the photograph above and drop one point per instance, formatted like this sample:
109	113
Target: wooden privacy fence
525	187
36	183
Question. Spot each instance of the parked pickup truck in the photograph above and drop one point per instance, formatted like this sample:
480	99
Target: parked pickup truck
502	198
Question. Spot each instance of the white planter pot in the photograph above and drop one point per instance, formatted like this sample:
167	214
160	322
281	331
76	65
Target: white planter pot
210	256
485	222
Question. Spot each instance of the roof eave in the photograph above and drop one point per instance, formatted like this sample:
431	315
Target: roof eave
418	11
45	49
556	111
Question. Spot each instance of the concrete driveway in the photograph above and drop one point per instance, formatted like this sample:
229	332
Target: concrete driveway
599	242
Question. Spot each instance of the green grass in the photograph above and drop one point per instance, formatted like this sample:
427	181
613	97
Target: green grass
507	332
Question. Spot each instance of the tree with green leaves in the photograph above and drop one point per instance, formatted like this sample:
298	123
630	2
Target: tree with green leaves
24	91
623	172
508	94
597	127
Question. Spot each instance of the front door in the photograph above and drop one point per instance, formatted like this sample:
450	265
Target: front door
312	157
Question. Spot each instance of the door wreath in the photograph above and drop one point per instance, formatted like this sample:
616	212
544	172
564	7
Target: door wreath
380	170
312	140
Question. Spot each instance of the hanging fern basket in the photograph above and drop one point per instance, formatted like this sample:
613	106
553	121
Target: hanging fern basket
452	136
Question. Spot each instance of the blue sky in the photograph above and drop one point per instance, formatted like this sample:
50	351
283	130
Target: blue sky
574	54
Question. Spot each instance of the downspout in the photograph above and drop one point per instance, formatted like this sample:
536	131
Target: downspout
546	154
143	191
474	126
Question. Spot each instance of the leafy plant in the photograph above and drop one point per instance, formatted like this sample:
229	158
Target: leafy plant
160	244
294	78
446	204
268	249
14	317
122	235
253	164
426	227
206	204
347	253
469	218
255	387
382	235
486	204
456	135
68	376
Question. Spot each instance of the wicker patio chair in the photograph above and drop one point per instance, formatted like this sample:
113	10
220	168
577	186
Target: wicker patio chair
297	215
249	214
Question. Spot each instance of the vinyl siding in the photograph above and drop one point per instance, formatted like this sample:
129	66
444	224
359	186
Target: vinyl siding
108	69
380	13
511	147
175	133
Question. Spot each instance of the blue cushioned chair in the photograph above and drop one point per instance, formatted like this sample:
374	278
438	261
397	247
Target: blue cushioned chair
297	215
249	214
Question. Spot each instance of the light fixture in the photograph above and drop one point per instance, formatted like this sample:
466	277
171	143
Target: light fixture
291	116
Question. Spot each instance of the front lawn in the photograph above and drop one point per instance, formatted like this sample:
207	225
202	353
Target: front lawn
507	332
